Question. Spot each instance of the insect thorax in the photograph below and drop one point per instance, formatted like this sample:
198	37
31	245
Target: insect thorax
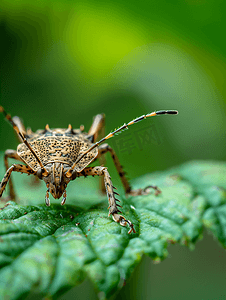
56	147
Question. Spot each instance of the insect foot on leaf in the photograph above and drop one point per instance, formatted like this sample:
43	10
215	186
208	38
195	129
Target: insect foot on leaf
122	221
146	191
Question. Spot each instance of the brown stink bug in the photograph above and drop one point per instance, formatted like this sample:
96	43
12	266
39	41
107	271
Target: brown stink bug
58	156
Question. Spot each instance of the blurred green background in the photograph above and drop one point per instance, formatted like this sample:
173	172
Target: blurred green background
65	61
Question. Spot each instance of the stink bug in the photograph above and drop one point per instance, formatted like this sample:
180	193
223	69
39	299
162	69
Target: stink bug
58	156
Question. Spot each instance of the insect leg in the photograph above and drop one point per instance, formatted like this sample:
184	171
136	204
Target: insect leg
106	148
19	123
113	206
16	122
10	154
145	191
97	130
23	137
14	168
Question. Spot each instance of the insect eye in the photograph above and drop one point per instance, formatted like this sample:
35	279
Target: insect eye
39	173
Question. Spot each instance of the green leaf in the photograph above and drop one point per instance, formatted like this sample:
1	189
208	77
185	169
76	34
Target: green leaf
209	180
48	250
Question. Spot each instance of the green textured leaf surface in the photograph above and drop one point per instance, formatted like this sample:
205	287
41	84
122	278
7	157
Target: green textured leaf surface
48	250
209	180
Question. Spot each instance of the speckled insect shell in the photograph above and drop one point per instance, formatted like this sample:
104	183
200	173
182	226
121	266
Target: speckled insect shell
57	145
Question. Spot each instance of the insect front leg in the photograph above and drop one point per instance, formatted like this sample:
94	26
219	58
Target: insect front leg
106	148
113	206
10	154
14	168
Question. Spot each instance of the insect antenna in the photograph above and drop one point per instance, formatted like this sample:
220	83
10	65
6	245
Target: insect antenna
124	126
23	138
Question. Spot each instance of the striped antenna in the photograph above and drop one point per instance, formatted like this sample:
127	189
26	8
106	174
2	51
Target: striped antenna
23	138
124	126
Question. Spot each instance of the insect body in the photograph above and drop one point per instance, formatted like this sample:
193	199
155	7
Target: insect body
58	156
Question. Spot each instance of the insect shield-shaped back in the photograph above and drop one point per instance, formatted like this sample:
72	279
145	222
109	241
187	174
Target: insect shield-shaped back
61	149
